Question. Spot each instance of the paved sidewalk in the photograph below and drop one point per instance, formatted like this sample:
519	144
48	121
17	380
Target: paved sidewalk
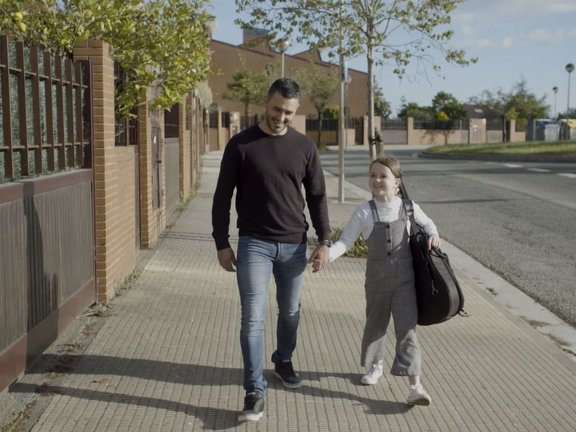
168	357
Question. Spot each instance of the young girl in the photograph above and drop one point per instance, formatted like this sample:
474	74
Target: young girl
389	282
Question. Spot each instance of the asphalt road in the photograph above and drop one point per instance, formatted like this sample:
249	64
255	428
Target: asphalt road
516	218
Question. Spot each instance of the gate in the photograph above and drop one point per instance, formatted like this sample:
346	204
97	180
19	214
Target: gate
47	272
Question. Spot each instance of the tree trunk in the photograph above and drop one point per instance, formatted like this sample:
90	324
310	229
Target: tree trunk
375	146
318	143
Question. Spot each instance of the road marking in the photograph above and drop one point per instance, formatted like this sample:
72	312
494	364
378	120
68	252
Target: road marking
513	165
569	175
541	170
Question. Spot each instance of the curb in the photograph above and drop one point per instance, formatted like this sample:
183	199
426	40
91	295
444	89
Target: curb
499	158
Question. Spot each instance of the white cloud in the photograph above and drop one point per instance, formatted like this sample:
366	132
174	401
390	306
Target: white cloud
471	44
484	43
507	42
518	8
552	36
540	36
505	24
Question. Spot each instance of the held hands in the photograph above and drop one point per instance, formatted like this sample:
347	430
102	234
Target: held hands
319	257
227	259
434	242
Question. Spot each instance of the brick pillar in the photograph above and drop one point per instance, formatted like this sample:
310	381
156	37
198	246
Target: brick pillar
153	220
184	149
114	179
410	131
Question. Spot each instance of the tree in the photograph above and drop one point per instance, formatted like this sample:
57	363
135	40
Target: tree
375	28
447	110
248	87
381	106
160	42
519	101
447	104
491	103
320	86
415	111
526	104
571	114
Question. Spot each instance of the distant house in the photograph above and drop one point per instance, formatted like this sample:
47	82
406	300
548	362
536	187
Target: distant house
476	112
255	53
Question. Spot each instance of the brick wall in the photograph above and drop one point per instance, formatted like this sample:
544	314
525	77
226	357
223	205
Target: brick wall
120	172
114	179
185	143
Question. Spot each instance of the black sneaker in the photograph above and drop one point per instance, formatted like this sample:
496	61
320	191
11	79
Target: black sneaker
253	408
285	372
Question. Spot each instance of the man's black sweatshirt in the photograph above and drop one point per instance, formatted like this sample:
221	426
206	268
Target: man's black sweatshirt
268	173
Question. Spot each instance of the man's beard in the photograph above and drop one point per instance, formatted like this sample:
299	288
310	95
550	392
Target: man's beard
275	127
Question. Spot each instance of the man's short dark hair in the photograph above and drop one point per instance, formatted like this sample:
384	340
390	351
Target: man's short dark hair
288	88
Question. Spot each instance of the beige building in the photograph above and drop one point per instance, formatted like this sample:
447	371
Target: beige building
256	54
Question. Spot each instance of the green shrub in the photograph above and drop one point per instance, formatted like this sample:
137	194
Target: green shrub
358	250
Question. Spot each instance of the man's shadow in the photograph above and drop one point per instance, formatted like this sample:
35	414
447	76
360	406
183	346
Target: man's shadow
212	418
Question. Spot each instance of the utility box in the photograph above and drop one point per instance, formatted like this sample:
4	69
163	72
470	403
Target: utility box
552	132
543	130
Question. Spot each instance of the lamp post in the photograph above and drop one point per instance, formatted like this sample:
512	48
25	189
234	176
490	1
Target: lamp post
569	68
341	129
281	45
555	90
341	118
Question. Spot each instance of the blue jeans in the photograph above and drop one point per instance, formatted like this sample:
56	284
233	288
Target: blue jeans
257	260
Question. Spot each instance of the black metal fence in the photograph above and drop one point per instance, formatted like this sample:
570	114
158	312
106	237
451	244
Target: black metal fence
330	124
126	129
394	124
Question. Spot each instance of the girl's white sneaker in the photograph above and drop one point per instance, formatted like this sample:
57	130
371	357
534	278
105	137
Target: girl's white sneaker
418	396
373	375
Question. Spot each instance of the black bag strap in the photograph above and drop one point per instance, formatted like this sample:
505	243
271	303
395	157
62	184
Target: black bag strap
374	210
403	191
409	208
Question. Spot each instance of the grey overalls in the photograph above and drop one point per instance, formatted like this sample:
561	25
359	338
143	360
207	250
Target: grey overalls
390	291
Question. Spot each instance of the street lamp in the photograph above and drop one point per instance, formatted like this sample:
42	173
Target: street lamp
281	45
555	90
569	68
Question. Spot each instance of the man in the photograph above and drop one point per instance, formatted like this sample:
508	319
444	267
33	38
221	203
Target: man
267	164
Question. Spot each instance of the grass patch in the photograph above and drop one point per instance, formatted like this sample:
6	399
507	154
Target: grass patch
535	148
16	424
358	250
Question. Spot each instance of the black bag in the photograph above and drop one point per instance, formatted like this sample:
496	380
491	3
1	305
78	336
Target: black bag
438	293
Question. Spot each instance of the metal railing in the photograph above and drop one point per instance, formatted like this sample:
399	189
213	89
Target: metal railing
44	112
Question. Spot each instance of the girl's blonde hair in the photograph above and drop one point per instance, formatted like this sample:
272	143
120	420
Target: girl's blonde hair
393	165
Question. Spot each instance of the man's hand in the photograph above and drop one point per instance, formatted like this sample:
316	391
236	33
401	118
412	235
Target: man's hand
227	259
319	257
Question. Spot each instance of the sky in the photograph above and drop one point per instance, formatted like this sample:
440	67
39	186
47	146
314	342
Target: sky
514	40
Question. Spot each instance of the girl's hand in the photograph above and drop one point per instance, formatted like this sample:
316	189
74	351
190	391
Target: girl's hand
319	257
434	242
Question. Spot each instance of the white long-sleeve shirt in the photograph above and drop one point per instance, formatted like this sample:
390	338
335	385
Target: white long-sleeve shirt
361	223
